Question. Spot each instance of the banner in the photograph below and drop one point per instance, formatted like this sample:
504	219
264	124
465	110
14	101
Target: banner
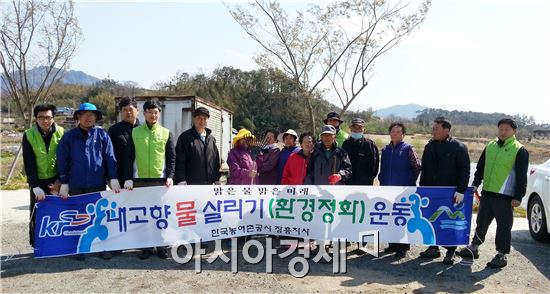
160	216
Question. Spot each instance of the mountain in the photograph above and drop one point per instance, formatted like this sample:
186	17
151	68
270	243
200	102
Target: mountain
408	111
70	77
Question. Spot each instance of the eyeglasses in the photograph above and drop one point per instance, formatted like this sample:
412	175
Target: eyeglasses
45	117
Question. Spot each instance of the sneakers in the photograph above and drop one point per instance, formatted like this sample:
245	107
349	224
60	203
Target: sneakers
431	252
469	252
106	255
449	257
498	261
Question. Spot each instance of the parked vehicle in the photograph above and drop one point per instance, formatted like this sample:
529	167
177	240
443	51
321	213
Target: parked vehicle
537	201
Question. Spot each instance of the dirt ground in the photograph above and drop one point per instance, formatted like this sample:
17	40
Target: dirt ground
528	270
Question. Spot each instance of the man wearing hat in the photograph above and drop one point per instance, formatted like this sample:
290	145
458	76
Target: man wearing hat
85	156
39	148
362	153
333	119
289	139
155	157
197	155
329	164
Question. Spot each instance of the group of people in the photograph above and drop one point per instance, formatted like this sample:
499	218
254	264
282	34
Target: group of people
86	158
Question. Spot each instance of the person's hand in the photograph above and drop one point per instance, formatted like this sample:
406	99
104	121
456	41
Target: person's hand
115	185
475	189
129	185
39	194
169	182
516	203
334	179
182	183
64	191
252	174
54	187
458	197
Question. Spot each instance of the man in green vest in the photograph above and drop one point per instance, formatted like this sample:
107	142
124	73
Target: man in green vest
155	157
503	169
39	147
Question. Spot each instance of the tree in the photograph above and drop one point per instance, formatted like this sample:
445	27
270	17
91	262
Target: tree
311	45
385	24
36	35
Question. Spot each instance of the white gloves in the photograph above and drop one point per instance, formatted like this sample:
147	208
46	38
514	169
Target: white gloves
39	193
64	191
459	197
169	182
182	183
115	185
475	189
128	184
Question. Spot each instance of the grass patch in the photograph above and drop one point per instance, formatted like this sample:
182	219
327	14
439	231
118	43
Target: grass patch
18	181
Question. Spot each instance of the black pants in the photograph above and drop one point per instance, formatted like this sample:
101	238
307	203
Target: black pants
43	184
495	207
399	246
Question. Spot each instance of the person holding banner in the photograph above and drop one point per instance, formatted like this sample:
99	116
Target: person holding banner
445	162
502	167
363	155
85	157
39	158
155	157
399	166
296	167
268	159
197	155
329	164
242	168
121	136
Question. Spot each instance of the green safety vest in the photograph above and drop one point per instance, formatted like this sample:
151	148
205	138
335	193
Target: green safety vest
45	159
150	146
341	136
499	175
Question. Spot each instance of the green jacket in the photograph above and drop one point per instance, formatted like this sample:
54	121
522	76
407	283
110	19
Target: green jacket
499	173
155	154
45	157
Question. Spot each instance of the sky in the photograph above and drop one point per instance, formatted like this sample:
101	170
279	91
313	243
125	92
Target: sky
472	55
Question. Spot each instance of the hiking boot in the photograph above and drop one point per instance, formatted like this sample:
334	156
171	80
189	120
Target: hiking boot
449	257
431	252
498	261
106	255
468	252
390	249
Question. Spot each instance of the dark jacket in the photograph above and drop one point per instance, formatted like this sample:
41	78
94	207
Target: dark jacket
363	155
399	165
123	145
197	163
320	166
267	162
445	163
86	160
521	167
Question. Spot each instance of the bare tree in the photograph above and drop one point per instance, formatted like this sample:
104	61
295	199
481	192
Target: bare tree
36	35
315	44
385	24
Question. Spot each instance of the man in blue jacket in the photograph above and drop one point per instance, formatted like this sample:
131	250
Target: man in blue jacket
85	156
